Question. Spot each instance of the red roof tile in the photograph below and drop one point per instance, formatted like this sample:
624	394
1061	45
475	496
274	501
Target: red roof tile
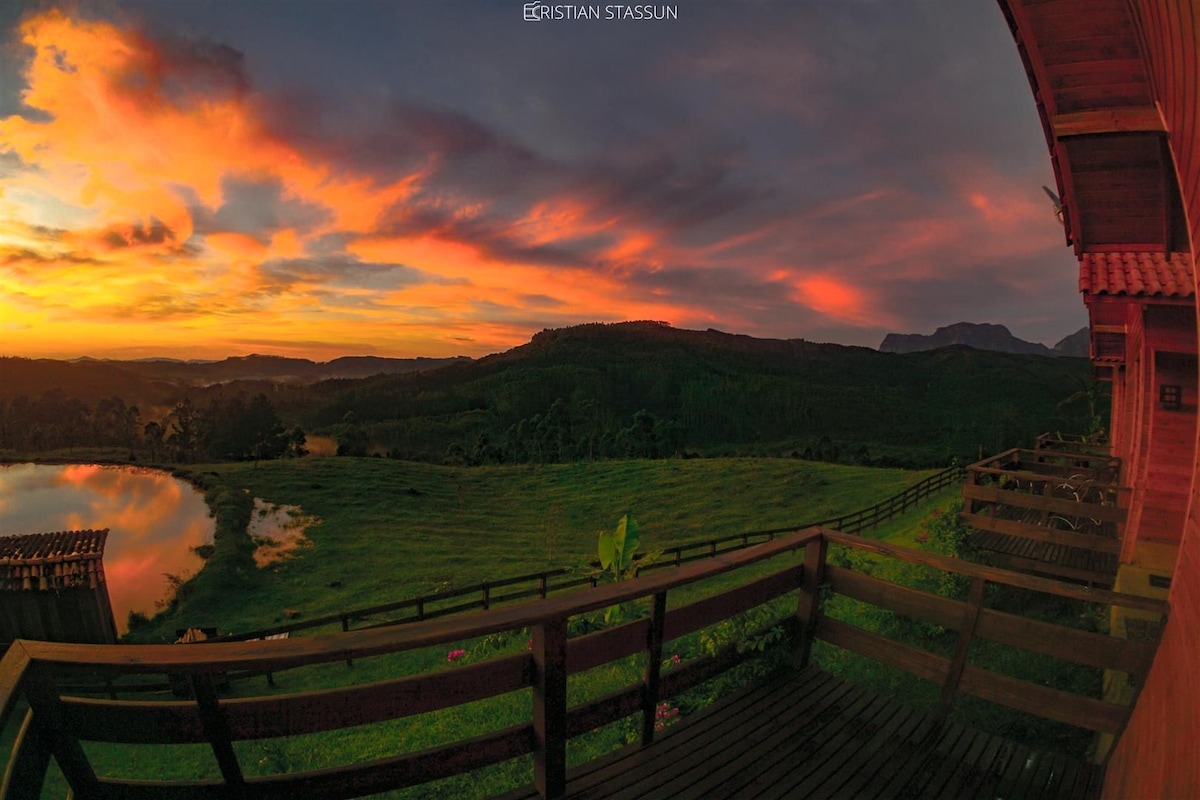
47	547
1134	274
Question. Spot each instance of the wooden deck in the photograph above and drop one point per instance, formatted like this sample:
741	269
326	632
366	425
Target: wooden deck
812	735
1047	558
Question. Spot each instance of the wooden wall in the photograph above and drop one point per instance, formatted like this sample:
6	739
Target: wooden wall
1156	758
81	614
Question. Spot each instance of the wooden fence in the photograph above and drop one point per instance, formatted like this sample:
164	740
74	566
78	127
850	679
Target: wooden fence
55	724
490	593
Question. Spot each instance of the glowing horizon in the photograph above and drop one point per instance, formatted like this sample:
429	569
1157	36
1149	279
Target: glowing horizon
167	195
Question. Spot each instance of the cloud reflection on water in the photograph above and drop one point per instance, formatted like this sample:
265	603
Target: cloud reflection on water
154	521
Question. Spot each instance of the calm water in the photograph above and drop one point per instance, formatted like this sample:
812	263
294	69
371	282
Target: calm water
153	519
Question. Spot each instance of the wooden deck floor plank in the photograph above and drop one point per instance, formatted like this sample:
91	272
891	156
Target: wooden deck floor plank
1070	775
1059	775
899	747
798	755
862	764
958	771
1011	778
723	755
914	746
942	761
680	746
922	758
862	738
809	735
783	750
1033	778
983	775
983	782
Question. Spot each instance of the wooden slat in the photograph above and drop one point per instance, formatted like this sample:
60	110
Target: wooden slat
710	610
1081	647
136	722
1127	119
1057	505
601	647
1042	701
1006	577
919	662
603	710
355	780
902	600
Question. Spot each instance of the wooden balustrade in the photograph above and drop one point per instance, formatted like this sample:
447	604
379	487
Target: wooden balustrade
56	723
1058	513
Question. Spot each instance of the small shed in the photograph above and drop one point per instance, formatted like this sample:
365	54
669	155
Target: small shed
52	588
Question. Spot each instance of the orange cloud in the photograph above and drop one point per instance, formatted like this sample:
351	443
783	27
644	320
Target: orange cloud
838	300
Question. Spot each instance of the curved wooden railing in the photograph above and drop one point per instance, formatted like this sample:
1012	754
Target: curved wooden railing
55	724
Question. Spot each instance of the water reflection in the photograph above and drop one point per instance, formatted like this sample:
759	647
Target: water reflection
153	519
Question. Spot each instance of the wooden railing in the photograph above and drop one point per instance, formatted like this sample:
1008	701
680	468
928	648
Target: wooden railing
55	724
490	593
1072	443
1071	499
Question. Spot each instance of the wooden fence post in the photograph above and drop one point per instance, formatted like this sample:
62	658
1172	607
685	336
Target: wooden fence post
965	633
654	655
550	707
809	607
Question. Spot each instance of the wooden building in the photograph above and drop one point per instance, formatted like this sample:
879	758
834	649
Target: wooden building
52	588
1117	86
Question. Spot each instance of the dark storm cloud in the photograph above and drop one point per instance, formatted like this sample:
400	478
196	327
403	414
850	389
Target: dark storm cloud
156	232
257	208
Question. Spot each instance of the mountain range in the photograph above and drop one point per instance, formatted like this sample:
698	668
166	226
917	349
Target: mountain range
996	338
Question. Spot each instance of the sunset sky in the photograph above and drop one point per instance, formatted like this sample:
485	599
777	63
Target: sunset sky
198	180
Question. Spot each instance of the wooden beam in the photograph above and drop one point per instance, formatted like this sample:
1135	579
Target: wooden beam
1131	119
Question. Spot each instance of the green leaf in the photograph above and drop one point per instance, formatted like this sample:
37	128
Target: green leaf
607	550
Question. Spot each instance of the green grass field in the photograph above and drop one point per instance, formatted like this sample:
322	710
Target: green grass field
389	530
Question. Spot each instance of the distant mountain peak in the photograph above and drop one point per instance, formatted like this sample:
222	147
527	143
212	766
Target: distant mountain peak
981	336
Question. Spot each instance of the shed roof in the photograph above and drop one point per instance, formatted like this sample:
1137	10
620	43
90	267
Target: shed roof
1137	274
44	548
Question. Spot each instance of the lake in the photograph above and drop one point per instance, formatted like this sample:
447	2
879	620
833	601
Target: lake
154	521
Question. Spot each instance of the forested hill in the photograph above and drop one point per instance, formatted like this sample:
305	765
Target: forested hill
645	389
593	391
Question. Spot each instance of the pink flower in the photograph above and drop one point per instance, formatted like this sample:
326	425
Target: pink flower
455	655
529	644
675	659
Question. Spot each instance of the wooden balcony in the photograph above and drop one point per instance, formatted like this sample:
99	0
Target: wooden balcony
1072	443
1048	511
817	736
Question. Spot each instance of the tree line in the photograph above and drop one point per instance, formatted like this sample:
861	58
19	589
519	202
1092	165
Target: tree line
237	427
